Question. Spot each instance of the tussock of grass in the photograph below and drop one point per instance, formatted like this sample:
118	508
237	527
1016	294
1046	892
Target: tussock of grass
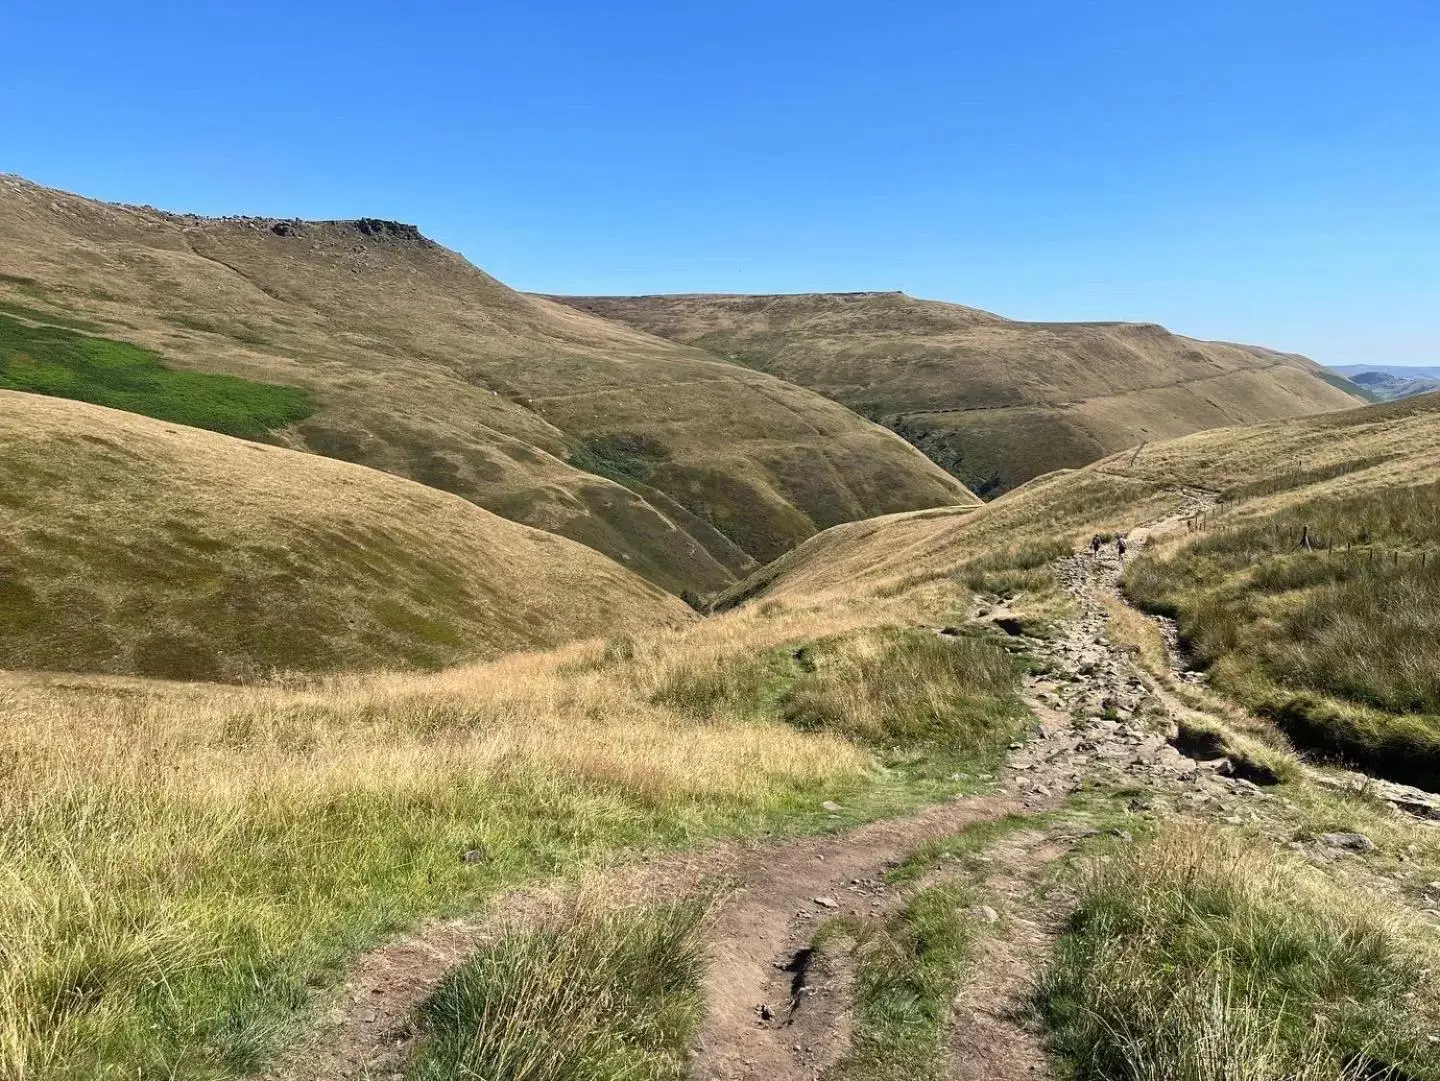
1194	959
1339	649
66	364
1025	567
612	994
1249	758
920	700
903	691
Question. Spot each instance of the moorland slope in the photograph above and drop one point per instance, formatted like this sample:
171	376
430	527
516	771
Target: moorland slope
131	546
994	401
684	467
1310	599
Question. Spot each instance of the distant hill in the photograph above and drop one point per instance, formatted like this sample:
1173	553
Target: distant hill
1389	382
1388	387
994	401
1402	371
365	341
132	546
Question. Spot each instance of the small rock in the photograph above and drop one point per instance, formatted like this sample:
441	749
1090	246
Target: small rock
830	805
1353	842
986	913
827	902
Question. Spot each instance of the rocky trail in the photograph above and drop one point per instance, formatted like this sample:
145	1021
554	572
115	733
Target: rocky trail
777	1011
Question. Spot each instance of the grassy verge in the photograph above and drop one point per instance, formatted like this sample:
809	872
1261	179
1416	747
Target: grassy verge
1192	958
1336	644
612	994
65	364
185	867
926	705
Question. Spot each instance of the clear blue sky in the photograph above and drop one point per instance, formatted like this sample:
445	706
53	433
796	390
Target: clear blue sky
1266	171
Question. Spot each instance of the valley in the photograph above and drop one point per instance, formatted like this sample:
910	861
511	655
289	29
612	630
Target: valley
406	677
995	401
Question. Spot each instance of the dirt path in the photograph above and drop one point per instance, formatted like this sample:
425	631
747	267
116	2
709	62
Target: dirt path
772	1013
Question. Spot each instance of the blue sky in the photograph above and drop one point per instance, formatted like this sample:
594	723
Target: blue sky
1265	171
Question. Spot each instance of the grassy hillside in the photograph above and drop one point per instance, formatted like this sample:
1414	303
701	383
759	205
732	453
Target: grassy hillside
1324	615
994	401
1267	466
194	869
131	546
64	363
421	365
192	866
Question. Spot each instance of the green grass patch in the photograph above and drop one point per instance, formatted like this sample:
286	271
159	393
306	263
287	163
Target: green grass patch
626	458
908	969
924	703
65	364
1191	958
612	994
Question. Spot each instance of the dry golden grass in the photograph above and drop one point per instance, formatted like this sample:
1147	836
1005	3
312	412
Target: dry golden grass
184	864
131	546
423	366
995	401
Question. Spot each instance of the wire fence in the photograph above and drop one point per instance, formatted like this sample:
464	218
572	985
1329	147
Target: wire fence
1358	554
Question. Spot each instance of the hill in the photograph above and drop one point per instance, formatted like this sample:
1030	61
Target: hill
132	546
994	401
1388	385
370	874
1403	371
407	358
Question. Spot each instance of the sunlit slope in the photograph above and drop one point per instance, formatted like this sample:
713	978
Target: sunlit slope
1262	469
133	546
995	401
682	466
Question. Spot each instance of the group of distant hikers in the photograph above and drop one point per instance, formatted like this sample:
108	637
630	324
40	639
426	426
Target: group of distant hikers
1097	542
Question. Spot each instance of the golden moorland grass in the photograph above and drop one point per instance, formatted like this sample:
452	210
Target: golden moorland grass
1262	468
682	466
994	400
131	546
1321	615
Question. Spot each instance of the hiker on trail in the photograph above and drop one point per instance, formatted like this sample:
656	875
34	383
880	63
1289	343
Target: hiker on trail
1095	543
1120	549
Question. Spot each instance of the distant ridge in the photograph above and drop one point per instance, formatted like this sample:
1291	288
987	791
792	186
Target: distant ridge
993	400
